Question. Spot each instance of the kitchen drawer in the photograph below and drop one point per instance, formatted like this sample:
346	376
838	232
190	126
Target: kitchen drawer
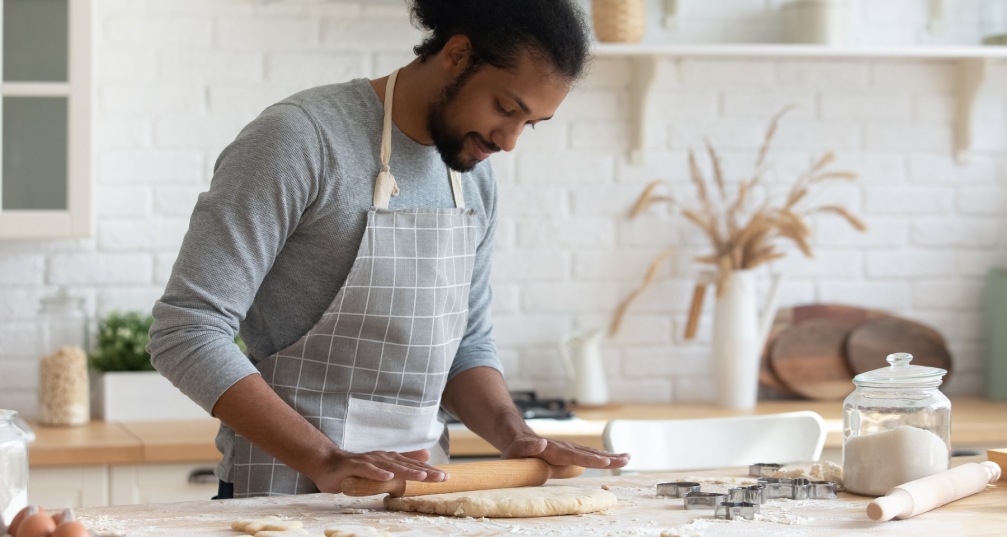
158	483
60	487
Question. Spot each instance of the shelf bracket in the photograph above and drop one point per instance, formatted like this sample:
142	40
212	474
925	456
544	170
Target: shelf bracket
671	14
640	91
971	78
937	11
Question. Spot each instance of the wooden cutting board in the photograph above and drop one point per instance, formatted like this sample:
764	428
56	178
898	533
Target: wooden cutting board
797	372
808	358
870	343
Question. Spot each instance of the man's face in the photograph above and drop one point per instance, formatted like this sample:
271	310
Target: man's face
484	112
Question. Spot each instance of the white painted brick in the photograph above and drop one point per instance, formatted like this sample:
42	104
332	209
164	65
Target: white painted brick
764	104
836	136
222	66
503	167
875	106
977	264
911	264
233	105
106	8
150	167
601	201
956	233
831	75
941	168
672	167
726	134
908	137
384	62
505	239
124	201
531	199
794	292
683	104
567	298
124	66
929	77
885	169
141	235
550	135
646	230
19	304
21	269
156	33
176	201
100	268
826	264
664	296
640	391
626	266
694	389
367	34
891	295
715	9
151	99
989	134
908	200
199	132
935	108
642	329
19	375
727	72
969	325
208	7
946	295
24	402
162	267
943	321
596	136
139	299
532	265
525	330
313	8
608	73
315	68
241	33
667	362
896	12
122	133
566	168
593	104
575	233
20	339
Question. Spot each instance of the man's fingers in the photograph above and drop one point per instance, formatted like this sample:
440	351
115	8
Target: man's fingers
421	455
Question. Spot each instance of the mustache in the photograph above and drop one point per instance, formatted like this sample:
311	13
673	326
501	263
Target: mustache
486	143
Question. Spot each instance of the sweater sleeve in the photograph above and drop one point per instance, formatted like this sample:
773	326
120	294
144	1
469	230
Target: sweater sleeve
262	184
478	347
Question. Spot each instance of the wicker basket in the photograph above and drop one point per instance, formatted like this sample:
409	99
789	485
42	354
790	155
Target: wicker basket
619	21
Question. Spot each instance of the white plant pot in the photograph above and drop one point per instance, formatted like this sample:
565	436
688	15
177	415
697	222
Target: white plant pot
139	396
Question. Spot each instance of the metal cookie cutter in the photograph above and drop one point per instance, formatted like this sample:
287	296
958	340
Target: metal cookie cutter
823	490
752	494
773	487
704	500
732	510
763	469
796	489
677	489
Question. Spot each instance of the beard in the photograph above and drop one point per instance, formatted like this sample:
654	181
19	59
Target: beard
449	142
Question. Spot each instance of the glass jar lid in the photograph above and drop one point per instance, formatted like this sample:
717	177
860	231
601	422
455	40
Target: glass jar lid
901	374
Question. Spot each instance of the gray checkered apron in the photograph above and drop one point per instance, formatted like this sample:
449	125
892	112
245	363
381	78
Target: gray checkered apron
370	373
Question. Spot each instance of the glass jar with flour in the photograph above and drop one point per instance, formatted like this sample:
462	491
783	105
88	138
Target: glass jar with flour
896	427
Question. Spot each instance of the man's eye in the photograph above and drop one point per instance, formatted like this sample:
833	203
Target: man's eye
504	112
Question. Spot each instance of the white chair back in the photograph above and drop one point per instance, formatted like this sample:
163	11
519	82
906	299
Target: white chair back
717	442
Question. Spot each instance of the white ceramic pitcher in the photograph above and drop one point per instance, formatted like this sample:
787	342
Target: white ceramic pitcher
585	376
739	335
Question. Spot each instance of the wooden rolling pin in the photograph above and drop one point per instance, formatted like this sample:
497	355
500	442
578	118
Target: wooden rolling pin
933	491
467	476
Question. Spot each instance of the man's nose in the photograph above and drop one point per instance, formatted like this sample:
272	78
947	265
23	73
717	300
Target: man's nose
506	137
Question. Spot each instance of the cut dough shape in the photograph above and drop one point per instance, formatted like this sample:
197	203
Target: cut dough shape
287	533
508	503
268	523
356	531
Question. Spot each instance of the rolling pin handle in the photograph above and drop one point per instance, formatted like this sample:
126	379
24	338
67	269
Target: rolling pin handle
359	486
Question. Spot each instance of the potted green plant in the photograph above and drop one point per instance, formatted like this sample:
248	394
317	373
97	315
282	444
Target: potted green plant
124	385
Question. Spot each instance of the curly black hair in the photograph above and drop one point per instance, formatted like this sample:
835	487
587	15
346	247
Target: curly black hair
501	30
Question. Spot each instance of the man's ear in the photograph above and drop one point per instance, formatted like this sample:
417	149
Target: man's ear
456	55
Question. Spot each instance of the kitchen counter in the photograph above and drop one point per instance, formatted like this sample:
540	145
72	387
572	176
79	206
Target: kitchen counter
639	512
975	423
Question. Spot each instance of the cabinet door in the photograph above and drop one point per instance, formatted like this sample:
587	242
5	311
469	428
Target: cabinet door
160	483
57	488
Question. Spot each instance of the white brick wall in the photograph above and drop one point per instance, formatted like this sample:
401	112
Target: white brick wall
175	81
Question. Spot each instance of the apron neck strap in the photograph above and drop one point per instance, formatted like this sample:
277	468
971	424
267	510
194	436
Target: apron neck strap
385	186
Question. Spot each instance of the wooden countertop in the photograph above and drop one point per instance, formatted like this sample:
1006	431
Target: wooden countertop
975	423
639	512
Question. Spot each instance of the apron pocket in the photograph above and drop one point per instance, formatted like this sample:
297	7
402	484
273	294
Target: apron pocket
376	426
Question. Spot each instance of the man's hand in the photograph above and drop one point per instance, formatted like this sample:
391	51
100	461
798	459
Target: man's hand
379	466
561	453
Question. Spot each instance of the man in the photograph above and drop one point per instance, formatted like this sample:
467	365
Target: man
357	263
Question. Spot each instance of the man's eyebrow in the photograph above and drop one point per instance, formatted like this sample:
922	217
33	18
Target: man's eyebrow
522	104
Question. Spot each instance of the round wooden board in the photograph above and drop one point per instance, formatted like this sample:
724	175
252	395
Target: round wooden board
808	359
870	343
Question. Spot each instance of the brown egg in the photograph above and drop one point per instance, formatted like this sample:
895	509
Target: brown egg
38	525
66	515
28	511
71	529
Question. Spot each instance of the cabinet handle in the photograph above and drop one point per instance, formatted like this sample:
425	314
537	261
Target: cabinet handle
202	476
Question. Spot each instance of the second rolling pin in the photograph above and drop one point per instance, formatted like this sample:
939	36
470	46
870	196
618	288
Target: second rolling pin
467	476
933	491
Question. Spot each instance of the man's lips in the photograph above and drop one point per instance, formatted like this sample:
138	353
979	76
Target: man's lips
481	150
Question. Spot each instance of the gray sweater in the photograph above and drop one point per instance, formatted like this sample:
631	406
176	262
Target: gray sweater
274	238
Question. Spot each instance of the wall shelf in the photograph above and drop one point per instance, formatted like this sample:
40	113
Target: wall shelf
972	64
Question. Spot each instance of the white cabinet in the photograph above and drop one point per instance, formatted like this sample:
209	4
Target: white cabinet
162	483
59	487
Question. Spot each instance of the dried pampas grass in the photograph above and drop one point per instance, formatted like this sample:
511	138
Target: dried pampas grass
743	231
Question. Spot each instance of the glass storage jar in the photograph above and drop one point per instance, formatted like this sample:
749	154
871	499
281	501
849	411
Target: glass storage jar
13	467
896	427
64	397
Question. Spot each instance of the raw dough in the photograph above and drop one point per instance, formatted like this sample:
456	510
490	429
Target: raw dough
356	531
287	533
506	503
269	523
